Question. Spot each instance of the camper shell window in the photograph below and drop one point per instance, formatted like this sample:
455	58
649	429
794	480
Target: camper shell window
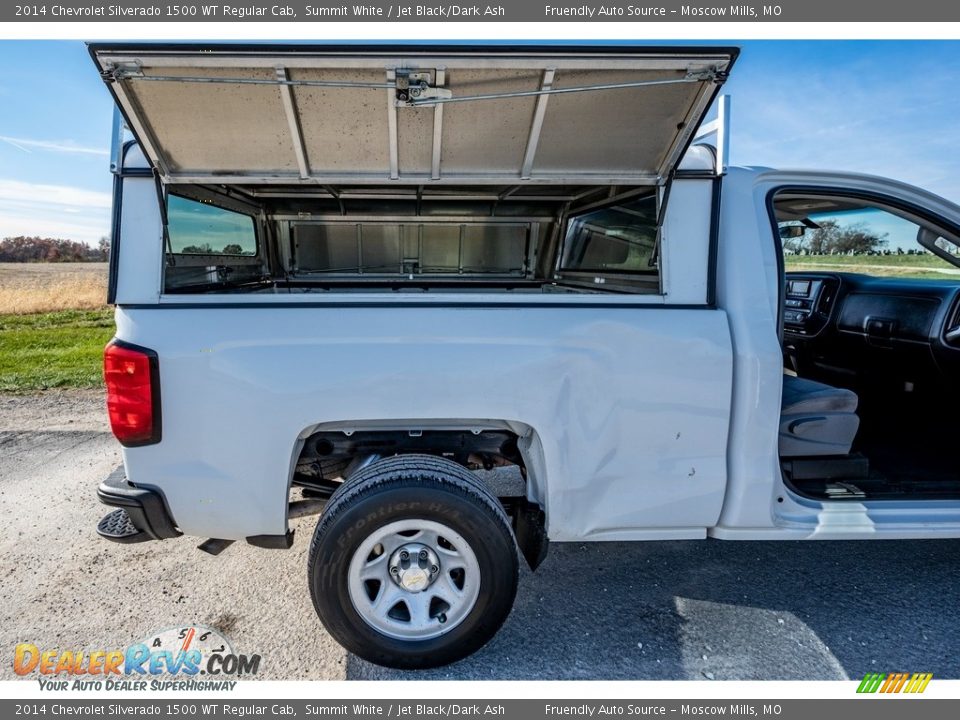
619	238
197	227
212	243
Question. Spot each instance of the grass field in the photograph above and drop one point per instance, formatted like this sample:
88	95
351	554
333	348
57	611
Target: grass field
27	288
904	266
53	325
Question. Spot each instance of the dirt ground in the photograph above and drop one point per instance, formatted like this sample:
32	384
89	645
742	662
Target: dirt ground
662	610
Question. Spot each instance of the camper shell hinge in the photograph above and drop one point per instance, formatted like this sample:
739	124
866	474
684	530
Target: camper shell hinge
417	86
121	71
711	74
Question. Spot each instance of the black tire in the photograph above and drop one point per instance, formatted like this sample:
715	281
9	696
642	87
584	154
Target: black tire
407	487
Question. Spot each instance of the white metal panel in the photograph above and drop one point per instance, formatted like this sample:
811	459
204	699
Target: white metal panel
233	115
802	519
685	242
748	289
140	258
628	407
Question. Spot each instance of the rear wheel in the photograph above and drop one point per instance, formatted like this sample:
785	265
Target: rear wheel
413	563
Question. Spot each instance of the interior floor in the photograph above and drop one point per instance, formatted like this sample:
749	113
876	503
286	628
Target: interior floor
906	446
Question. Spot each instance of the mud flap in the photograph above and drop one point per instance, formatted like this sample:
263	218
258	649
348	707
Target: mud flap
529	526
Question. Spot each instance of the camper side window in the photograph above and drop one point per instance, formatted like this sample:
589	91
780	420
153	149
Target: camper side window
617	239
209	247
200	228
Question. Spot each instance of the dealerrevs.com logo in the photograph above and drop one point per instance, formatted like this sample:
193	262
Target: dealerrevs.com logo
192	657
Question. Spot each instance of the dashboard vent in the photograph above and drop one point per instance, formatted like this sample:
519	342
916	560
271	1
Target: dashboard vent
827	297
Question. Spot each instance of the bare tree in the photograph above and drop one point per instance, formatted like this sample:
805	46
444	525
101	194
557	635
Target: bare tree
832	239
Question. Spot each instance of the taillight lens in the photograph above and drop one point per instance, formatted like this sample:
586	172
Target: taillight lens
133	400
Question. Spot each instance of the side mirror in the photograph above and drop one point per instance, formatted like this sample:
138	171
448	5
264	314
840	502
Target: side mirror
790	232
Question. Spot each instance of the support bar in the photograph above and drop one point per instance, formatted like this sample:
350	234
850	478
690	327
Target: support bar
293	120
392	125
437	128
533	140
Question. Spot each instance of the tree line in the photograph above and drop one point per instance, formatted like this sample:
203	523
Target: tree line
37	249
830	238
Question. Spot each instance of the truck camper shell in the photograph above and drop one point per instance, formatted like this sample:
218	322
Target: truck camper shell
397	168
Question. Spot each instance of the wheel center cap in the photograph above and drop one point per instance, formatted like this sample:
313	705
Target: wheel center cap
414	566
414	579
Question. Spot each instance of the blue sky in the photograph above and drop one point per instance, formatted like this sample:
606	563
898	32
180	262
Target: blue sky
889	108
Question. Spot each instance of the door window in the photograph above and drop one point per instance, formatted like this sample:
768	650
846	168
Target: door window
837	234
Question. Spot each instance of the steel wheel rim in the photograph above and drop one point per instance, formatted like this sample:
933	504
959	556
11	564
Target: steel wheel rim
386	590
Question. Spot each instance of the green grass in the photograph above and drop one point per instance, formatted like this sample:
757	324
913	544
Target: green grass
925	266
53	350
925	260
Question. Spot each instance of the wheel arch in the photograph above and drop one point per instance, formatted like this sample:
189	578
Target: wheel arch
528	439
529	442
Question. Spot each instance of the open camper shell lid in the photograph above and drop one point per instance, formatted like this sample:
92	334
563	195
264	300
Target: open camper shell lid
413	115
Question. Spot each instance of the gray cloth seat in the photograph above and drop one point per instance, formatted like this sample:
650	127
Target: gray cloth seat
816	419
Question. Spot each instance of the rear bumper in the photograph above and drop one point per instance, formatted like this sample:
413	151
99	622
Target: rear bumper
146	508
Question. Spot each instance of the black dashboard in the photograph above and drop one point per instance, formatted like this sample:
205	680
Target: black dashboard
809	303
859	324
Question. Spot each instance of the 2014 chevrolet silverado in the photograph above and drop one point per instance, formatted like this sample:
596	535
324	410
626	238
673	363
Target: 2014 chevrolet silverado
461	301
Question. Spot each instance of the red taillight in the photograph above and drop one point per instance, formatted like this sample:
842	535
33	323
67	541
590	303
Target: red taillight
130	374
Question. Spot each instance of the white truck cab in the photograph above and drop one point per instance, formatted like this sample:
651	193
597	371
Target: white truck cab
461	301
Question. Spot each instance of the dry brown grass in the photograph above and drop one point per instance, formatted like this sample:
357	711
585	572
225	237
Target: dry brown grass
27	288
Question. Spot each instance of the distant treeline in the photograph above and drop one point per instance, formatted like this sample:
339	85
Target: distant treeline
38	249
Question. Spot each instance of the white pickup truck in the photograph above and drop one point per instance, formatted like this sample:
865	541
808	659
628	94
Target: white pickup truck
463	300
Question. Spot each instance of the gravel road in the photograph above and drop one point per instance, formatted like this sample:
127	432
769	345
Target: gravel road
661	610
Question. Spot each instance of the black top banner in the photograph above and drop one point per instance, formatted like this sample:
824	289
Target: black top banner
507	11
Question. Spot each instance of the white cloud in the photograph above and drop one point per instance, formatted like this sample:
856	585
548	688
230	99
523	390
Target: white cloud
59	211
17	190
60	146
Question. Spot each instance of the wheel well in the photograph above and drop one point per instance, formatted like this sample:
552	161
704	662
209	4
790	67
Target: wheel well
328	457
